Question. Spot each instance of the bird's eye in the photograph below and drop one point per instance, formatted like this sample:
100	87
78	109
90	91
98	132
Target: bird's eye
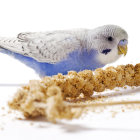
110	38
106	51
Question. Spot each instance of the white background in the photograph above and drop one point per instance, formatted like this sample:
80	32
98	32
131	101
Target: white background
42	15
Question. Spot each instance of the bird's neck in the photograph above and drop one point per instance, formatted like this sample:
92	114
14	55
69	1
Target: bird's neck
86	37
81	35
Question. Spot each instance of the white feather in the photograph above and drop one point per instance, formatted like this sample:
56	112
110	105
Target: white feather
48	47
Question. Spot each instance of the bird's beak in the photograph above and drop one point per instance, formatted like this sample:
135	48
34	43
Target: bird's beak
122	50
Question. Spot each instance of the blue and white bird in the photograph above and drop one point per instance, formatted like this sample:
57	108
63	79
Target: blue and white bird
50	53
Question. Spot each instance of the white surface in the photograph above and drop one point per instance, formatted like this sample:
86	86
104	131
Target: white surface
94	125
42	15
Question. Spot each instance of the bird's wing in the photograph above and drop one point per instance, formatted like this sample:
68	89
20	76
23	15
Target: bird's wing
32	35
44	47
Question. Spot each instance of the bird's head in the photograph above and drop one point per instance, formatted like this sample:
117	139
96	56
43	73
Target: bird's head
110	41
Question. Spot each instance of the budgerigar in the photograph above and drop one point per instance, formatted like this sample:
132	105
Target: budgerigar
50	53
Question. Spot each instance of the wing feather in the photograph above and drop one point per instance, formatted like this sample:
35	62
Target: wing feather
50	47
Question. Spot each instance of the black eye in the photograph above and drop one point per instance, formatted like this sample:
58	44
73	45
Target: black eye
106	51
110	38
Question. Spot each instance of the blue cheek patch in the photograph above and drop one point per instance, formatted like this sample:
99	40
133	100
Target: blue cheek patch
106	51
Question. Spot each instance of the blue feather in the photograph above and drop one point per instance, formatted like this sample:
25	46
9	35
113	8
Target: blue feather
76	61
